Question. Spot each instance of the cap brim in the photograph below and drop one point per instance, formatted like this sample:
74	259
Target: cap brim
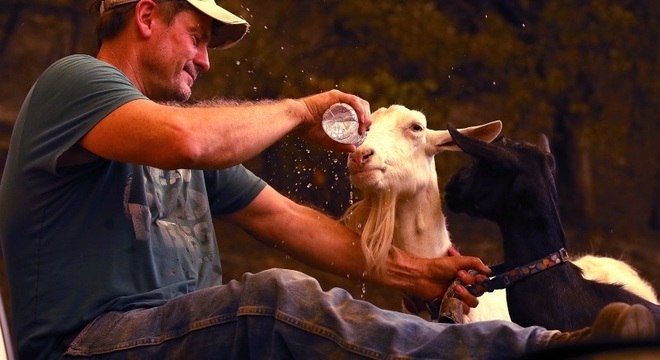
228	29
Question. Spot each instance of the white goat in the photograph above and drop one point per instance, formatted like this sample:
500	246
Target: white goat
395	171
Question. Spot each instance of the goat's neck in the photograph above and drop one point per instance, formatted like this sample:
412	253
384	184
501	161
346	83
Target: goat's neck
532	234
420	226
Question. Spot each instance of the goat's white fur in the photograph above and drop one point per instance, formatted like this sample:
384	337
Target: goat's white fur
394	169
613	271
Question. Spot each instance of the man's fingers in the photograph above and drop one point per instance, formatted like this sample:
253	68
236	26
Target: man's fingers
465	296
474	263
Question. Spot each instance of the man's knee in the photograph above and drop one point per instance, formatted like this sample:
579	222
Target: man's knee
277	277
273	284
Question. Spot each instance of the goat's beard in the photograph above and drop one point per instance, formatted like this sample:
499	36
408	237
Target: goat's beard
373	219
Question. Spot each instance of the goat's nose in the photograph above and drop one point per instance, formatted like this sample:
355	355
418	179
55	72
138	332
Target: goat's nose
361	155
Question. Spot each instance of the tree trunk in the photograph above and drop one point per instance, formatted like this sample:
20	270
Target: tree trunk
573	178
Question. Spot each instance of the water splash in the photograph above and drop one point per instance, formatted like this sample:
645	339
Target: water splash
363	287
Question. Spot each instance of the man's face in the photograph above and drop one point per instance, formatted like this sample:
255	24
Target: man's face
177	55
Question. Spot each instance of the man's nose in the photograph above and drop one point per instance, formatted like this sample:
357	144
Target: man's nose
202	59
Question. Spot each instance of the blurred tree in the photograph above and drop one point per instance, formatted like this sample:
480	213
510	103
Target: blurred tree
584	73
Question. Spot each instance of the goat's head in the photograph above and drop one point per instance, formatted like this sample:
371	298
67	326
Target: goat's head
505	179
398	153
394	169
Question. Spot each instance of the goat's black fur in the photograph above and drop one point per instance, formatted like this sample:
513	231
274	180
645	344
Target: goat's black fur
512	184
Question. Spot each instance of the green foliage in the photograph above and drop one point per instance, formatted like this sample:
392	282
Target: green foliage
532	64
585	72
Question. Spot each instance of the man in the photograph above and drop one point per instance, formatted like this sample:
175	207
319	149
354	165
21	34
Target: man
106	206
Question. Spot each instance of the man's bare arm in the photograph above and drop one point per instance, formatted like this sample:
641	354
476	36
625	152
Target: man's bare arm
324	243
213	135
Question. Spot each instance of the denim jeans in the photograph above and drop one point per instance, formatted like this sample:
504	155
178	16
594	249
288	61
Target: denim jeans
284	314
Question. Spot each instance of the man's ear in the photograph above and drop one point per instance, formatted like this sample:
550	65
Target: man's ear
145	16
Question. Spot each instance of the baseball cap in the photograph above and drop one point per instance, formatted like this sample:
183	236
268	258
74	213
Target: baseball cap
228	29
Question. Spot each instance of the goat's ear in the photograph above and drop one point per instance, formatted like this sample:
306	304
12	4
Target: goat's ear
494	153
442	140
486	132
544	144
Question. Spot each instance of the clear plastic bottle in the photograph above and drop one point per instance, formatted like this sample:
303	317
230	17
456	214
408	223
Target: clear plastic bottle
341	124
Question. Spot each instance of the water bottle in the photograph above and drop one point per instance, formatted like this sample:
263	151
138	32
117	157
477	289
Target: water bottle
341	124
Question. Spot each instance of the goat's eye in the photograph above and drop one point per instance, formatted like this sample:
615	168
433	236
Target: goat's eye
416	127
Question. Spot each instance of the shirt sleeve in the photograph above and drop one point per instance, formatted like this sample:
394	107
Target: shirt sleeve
231	189
66	102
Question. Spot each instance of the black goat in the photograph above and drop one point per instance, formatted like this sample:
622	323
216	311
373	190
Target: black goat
512	184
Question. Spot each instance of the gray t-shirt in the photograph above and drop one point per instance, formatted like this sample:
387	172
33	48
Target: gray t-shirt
85	239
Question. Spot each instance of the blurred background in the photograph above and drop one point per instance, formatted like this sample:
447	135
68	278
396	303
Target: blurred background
584	73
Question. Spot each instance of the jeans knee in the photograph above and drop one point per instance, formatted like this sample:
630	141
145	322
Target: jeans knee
277	285
276	276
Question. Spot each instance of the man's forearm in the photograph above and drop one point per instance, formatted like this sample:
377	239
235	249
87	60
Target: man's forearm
202	137
230	133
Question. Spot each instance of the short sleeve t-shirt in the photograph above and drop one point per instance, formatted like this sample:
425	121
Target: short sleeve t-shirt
85	239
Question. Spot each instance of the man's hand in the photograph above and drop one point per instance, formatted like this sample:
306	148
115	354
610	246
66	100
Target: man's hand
317	104
456	268
429	279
